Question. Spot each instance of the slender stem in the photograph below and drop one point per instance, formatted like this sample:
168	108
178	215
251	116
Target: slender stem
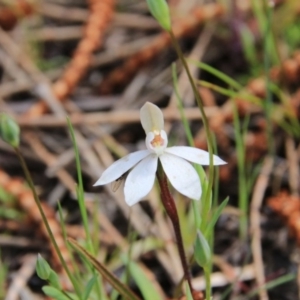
208	191
207	272
37	201
204	118
171	210
268	103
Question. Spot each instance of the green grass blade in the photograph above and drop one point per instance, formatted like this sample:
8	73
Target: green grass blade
145	285
271	284
89	286
114	281
215	217
220	75
79	189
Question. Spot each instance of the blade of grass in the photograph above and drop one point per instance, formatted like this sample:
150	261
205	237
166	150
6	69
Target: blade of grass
215	217
271	284
114	281
188	133
242	178
231	94
45	220
220	75
83	210
145	285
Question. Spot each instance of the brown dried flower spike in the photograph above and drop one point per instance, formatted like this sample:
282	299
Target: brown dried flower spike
101	13
288	207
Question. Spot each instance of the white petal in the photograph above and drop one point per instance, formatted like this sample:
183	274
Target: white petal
119	167
140	180
194	155
182	175
152	118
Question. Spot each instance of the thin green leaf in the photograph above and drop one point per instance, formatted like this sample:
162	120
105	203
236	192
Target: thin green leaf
160	11
79	189
82	207
190	139
89	287
188	292
222	76
202	250
146	286
215	217
42	268
114	281
55	293
272	284
54	280
230	93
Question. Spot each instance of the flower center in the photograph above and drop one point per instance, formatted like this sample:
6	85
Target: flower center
157	141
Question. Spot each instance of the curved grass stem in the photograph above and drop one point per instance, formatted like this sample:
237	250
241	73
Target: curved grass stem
38	203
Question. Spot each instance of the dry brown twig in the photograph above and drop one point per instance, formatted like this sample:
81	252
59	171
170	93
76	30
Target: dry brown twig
219	279
293	165
257	198
113	117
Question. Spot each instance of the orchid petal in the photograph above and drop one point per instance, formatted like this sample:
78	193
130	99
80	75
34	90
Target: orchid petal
182	175
121	166
140	180
194	155
152	118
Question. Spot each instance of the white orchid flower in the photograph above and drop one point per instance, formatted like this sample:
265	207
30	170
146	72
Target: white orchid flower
140	179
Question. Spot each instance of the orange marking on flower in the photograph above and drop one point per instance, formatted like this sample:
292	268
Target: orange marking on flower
158	141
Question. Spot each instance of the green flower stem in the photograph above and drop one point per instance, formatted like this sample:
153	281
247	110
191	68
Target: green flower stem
206	127
208	191
171	210
37	201
207	274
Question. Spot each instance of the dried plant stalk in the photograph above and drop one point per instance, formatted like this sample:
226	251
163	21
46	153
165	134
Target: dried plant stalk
288	207
181	28
26	201
101	13
9	16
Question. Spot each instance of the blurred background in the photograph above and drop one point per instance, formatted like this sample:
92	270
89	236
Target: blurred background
98	62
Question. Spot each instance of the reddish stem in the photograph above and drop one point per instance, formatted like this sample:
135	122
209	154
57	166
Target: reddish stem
171	210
